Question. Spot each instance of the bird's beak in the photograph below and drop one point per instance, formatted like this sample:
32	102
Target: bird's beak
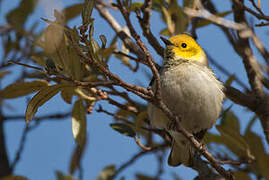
166	41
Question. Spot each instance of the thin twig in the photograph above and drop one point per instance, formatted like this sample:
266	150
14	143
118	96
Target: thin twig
257	15
136	157
128	42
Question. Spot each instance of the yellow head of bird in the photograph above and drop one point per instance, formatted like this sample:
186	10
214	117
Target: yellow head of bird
184	47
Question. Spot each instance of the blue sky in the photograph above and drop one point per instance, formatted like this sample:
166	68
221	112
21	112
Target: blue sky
50	145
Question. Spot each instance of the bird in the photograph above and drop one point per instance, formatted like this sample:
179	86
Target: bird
191	91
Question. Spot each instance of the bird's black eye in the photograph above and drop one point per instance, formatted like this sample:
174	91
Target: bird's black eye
184	45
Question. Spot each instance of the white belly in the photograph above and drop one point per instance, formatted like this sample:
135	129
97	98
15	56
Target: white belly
193	93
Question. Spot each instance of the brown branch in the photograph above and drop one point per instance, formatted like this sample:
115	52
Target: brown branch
139	42
136	156
242	47
128	42
5	168
28	128
253	71
140	91
157	98
245	31
262	24
240	4
240	98
145	25
197	145
258	8
40	118
237	163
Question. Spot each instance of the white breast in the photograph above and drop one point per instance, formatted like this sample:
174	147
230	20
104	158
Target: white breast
193	93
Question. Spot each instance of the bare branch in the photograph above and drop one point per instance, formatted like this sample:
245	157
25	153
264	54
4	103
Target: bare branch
136	157
128	42
257	15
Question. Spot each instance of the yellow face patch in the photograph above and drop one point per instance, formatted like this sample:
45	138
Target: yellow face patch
185	47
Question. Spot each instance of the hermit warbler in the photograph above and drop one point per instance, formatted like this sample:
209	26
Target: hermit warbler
190	90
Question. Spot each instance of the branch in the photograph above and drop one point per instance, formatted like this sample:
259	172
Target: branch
243	28
145	25
253	71
156	99
128	42
136	157
27	129
40	118
139	42
257	15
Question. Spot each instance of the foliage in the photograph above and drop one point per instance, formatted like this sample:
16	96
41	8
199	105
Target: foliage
70	61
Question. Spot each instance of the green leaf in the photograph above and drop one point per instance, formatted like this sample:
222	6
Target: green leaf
79	123
84	94
87	11
123	129
261	163
140	121
67	94
40	98
165	32
251	122
61	176
22	88
75	65
135	5
178	17
103	40
107	173
234	141
168	20
188	3
73	11
76	158
39	60
239	175
55	45
230	80
230	120
13	177
18	16
205	22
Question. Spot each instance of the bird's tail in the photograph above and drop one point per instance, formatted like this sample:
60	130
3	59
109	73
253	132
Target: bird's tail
181	150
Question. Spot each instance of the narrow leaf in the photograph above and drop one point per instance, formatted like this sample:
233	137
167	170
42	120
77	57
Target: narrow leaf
261	157
123	129
18	16
13	177
79	122
230	80
40	98
61	176
107	173
73	11
87	11
22	88
136	5
67	94
241	175
234	141
76	158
